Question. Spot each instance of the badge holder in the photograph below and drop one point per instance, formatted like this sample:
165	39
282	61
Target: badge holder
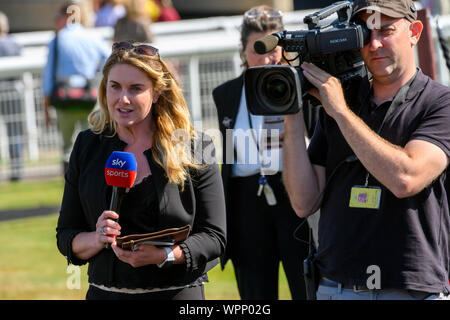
366	197
263	184
268	191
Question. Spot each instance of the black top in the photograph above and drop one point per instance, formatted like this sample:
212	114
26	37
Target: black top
139	209
164	205
408	239
227	98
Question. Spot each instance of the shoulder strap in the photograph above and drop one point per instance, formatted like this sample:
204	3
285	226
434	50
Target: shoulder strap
55	58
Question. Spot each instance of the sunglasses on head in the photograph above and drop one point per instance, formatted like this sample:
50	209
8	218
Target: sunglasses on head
144	49
254	14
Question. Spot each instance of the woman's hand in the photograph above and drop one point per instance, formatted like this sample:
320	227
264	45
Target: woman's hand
107	229
147	254
144	255
85	245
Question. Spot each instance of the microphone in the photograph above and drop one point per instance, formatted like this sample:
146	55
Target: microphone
266	44
120	173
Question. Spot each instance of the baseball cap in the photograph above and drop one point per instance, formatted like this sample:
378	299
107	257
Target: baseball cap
391	8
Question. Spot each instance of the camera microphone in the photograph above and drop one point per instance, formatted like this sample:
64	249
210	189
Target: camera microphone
266	44
120	173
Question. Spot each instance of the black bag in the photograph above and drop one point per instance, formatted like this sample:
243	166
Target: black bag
310	271
66	94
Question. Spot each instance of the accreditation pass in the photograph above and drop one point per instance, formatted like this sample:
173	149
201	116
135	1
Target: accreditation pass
365	197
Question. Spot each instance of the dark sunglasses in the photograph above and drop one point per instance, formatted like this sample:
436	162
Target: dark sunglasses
144	49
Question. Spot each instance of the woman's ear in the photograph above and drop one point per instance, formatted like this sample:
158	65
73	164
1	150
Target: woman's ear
156	97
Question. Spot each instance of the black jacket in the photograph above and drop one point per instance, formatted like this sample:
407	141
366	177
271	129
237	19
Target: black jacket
227	98
201	204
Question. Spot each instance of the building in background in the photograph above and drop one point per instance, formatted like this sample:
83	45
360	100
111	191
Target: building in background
437	7
36	15
202	8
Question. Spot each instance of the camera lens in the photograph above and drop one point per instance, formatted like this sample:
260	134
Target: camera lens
273	90
276	91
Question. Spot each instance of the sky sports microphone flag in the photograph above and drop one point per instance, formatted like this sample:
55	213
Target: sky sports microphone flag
120	173
121	169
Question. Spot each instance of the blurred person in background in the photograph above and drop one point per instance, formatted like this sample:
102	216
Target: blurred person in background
167	11
10	109
8	47
80	55
136	25
142	109
437	7
109	13
260	230
152	9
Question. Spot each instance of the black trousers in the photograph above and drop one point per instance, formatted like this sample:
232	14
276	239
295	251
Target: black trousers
260	236
192	293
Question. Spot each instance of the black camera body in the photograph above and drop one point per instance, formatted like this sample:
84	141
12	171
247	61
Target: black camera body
280	89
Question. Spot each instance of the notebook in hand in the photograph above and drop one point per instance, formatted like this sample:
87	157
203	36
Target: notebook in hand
164	237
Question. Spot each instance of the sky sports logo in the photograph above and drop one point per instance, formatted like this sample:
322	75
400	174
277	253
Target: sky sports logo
118	163
120	178
116	173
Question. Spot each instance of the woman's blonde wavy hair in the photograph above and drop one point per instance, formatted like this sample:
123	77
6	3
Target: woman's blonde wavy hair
171	146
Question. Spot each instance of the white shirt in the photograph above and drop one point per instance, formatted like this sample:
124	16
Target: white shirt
248	159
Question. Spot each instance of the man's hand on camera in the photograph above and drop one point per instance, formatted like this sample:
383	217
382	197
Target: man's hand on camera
327	89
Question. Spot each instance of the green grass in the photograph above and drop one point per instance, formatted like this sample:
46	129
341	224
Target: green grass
31	194
31	266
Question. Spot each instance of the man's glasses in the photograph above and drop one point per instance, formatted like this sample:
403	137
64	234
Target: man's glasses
255	14
144	49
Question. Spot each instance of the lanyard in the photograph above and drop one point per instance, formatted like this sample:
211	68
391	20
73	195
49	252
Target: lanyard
398	100
255	139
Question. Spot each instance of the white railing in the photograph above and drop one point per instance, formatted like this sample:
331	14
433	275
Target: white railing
204	52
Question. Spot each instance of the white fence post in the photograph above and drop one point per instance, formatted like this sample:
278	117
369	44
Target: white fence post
30	116
4	150
194	83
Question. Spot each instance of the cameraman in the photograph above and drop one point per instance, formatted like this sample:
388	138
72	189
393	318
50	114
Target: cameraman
384	225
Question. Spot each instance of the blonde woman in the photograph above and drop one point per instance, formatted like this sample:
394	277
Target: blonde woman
142	111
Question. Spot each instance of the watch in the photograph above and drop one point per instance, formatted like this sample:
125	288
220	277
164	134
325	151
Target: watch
169	260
